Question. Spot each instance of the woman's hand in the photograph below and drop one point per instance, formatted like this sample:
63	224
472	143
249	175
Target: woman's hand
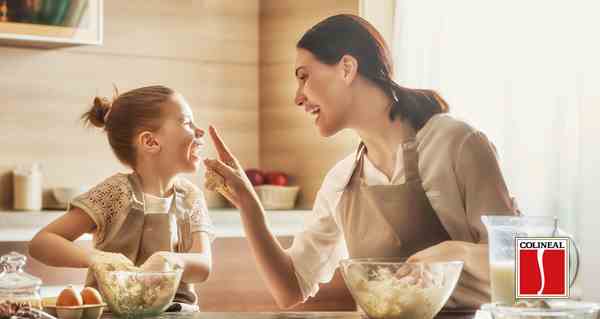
450	250
417	273
237	186
475	256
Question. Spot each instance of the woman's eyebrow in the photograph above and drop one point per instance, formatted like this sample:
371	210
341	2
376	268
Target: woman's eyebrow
298	69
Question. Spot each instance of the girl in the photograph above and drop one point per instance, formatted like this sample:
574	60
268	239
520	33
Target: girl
150	216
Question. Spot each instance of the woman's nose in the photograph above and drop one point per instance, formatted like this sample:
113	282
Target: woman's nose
300	98
199	132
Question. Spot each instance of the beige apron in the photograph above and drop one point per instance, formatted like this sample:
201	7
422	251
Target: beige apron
398	221
140	235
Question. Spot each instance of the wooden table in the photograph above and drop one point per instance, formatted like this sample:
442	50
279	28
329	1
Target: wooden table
290	315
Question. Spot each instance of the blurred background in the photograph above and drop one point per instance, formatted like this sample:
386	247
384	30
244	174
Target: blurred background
525	73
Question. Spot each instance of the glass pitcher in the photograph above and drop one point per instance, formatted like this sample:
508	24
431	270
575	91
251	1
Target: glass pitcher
502	231
17	286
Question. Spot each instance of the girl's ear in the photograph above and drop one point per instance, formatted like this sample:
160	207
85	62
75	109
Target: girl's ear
148	143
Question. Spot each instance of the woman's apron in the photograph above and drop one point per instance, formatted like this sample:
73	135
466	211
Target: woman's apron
141	235
398	221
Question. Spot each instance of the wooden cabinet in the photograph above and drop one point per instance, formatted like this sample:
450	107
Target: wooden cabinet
86	30
235	283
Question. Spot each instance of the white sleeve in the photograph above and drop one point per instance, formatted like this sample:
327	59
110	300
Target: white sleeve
317	250
199	218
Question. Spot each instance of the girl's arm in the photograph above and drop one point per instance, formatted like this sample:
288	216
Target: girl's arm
54	244
196	263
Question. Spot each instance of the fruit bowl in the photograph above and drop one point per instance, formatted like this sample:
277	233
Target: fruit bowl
390	288
277	197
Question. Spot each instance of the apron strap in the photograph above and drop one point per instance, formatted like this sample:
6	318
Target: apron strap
410	157
359	166
137	194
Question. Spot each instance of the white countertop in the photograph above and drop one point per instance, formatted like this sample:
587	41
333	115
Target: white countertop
22	226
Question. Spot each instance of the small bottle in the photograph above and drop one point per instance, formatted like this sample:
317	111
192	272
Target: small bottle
27	192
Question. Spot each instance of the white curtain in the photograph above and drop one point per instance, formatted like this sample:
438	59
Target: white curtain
527	73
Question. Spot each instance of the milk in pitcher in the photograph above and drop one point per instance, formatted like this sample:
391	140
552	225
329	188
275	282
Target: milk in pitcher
503	282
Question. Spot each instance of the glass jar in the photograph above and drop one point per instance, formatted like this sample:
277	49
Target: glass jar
17	286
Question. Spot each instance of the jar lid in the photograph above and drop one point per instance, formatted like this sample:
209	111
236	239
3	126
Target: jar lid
13	277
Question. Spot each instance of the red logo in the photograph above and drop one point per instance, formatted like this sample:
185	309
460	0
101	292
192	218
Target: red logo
542	268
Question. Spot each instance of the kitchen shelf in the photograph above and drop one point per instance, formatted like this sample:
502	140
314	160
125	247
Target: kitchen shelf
90	31
22	226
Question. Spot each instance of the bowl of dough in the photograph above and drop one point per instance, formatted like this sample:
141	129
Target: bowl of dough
132	292
391	288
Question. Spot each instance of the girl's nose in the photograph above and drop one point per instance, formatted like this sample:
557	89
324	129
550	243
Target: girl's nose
199	132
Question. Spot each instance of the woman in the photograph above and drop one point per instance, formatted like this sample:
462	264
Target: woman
416	186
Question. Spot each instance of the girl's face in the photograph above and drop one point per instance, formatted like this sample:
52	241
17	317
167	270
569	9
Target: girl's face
322	92
180	139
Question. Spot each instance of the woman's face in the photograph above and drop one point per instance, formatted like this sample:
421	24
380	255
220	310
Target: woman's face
180	140
322	92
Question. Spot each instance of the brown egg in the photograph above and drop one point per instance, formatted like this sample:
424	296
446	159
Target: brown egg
91	296
69	297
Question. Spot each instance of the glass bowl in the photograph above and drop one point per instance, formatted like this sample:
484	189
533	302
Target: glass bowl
390	288
135	294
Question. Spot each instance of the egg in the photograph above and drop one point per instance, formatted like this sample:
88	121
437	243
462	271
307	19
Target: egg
69	297
91	296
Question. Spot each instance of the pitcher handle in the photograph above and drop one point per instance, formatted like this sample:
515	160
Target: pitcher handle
577	253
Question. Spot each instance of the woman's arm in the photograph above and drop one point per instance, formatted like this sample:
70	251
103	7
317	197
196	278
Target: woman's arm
484	191
54	246
274	263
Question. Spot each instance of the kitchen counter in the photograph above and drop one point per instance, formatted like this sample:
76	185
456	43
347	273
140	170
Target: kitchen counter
22	226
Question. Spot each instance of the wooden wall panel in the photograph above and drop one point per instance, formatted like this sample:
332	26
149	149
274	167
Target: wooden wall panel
289	141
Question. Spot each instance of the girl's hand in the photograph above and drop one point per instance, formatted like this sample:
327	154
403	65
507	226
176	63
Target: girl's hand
99	257
162	261
237	188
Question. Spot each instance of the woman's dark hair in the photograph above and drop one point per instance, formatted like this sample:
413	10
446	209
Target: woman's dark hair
347	34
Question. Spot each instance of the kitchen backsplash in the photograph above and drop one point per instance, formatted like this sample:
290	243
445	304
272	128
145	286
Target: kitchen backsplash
208	50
